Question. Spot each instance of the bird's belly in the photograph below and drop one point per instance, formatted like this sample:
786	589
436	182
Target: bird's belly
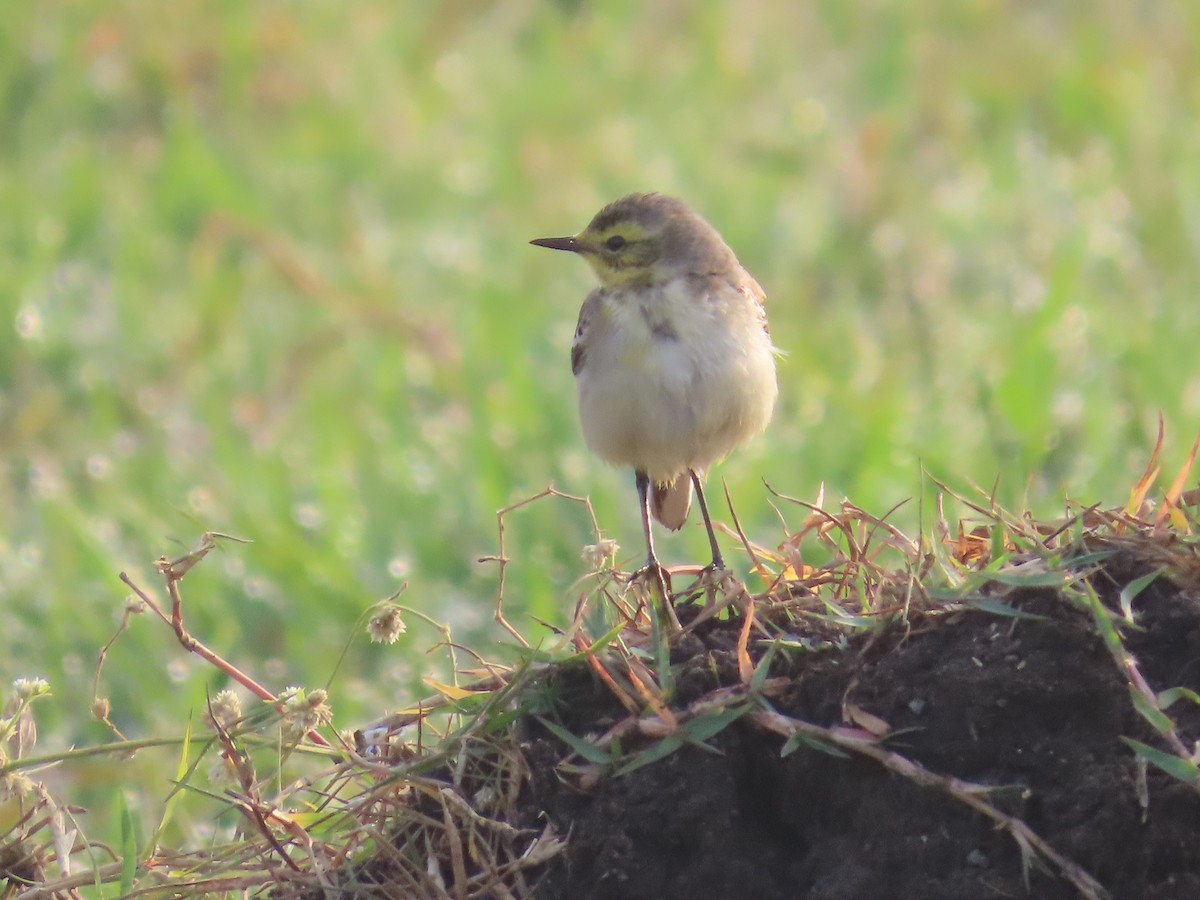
665	405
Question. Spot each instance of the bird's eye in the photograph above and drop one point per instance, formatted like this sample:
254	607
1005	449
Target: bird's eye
615	243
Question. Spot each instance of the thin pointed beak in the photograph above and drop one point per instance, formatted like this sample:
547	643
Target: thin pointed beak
562	243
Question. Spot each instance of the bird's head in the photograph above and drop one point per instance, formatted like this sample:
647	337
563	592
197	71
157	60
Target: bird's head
647	239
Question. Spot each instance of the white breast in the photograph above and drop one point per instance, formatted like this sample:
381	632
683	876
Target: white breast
672	382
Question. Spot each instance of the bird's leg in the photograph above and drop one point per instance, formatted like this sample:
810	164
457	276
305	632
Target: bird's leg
653	567
718	562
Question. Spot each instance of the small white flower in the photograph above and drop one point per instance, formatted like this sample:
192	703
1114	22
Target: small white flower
386	624
15	785
304	711
599	555
225	708
30	688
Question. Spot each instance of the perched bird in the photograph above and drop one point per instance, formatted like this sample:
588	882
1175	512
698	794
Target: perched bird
672	356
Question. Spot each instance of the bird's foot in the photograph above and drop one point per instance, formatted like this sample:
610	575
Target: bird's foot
656	575
657	579
713	581
719	588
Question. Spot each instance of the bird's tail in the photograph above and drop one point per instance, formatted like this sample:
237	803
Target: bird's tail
669	503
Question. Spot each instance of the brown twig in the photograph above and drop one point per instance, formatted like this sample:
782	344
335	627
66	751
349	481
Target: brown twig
193	645
502	560
173	571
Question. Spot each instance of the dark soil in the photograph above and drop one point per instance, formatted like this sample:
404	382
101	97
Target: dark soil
1034	708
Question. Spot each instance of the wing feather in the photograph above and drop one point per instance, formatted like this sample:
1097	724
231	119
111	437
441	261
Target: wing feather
582	328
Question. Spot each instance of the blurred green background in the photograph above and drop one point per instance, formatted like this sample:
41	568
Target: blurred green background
264	270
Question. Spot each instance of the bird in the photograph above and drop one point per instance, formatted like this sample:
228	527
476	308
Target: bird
672	355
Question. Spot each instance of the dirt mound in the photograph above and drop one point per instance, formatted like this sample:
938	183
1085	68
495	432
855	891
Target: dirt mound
1032	706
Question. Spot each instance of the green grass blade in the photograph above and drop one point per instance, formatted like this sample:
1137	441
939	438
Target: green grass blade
582	746
652	754
129	847
1177	767
1130	592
